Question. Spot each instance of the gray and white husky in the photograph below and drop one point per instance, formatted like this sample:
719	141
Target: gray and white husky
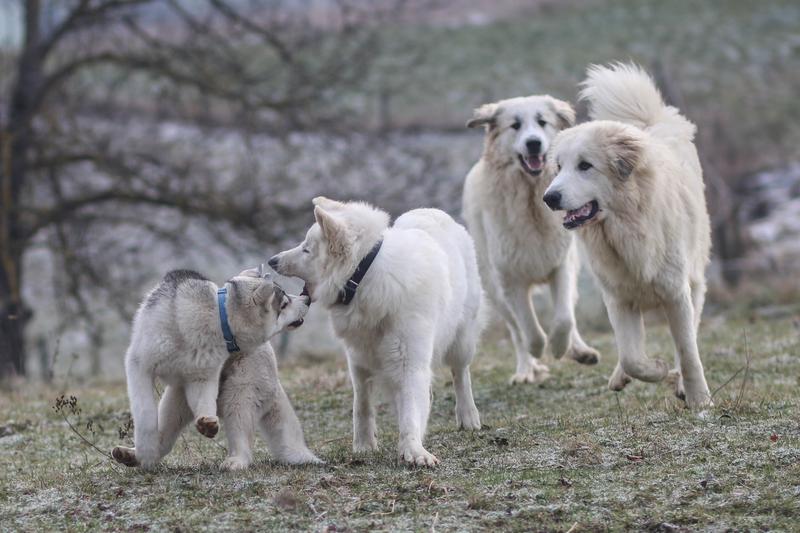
178	337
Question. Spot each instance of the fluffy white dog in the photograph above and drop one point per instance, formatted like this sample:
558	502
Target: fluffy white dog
401	298
520	243
182	334
631	184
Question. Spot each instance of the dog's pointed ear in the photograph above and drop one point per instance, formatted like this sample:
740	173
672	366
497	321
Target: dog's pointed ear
485	115
250	273
333	231
326	203
565	114
263	294
625	152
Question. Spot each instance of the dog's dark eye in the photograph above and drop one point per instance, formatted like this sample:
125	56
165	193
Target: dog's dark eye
306	251
584	165
542	122
284	303
516	125
558	166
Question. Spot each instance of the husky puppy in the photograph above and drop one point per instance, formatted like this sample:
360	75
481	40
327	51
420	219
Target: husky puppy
631	185
182	334
401	298
520	243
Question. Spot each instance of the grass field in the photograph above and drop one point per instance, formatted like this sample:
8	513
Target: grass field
564	455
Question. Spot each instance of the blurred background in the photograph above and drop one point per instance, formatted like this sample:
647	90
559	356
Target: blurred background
137	136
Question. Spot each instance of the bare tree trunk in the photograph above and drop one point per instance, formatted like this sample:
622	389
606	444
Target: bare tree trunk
16	142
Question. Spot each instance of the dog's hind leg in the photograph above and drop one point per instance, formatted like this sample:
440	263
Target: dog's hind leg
141	391
564	337
410	388
284	434
682	324
459	357
202	399
364	427
173	415
629	334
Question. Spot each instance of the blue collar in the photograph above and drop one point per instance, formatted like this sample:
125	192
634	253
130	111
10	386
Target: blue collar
230	340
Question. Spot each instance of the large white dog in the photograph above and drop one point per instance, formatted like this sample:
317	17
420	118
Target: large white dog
520	243
631	183
401	298
182	334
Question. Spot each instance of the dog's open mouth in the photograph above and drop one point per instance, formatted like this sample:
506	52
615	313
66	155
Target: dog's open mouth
296	324
582	215
532	164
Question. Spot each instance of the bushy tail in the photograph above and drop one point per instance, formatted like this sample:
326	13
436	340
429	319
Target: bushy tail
626	93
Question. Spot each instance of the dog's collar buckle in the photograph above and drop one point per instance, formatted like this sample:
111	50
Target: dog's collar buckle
227	334
348	292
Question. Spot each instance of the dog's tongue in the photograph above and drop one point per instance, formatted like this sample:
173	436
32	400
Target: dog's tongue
534	162
582	211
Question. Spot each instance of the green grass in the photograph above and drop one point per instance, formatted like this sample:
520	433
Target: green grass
562	454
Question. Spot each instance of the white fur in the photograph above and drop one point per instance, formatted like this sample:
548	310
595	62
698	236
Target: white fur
649	243
519	242
417	305
177	338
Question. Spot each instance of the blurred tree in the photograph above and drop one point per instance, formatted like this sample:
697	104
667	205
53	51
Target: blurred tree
83	142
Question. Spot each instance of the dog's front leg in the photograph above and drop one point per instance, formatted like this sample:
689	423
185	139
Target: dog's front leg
284	434
202	399
629	334
680	315
364	428
526	333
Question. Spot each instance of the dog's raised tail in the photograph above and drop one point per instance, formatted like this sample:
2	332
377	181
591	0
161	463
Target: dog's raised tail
625	92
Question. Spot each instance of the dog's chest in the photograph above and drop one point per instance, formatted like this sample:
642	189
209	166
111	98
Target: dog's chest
519	241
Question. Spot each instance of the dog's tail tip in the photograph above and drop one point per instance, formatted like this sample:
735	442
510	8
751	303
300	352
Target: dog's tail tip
626	92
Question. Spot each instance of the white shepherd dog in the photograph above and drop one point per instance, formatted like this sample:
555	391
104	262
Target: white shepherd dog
630	182
401	298
520	243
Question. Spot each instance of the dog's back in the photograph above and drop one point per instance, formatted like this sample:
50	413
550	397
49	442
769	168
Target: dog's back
464	284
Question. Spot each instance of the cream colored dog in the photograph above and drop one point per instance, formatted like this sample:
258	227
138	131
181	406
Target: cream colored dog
519	242
631	185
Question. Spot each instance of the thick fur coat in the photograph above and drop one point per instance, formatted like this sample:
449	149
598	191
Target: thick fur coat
631	184
519	242
417	305
177	338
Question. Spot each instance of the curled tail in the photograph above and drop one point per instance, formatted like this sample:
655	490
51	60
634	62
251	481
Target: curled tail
626	93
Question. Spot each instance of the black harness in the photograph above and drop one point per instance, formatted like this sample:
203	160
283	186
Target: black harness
348	292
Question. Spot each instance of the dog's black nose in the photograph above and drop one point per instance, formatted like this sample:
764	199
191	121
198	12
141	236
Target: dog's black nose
553	200
273	261
534	146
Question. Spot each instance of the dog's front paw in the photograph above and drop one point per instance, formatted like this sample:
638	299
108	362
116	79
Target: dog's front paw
584	356
208	426
698	396
418	456
618	380
125	456
365	445
468	418
234	462
676	379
